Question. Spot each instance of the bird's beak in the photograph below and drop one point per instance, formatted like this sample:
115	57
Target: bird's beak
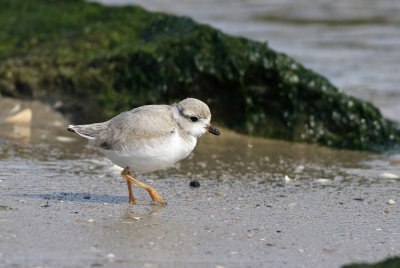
213	130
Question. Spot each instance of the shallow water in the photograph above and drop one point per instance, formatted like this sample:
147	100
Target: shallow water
63	204
355	44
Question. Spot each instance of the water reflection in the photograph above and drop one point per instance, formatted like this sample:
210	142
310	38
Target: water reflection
19	133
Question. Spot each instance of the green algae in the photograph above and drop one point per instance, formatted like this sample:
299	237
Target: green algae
393	262
101	60
2	207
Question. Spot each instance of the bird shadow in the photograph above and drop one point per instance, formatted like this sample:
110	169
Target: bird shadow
77	197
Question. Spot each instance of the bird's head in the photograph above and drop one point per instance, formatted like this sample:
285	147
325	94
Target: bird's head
194	117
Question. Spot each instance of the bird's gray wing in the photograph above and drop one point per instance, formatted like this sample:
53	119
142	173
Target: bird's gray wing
133	127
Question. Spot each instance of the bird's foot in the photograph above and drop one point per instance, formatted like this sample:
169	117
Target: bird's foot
155	196
134	202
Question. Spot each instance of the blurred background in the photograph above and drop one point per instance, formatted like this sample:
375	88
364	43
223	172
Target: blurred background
355	44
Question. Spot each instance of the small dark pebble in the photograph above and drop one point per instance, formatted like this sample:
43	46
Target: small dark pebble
86	196
359	199
280	185
46	205
270	244
279	231
194	184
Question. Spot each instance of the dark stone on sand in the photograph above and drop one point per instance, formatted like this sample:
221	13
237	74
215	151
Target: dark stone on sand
93	62
194	184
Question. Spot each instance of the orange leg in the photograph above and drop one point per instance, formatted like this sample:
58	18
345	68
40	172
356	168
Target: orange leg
126	174
132	200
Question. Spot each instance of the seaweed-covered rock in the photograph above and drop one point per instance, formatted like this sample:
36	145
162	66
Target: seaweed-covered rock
393	262
100	60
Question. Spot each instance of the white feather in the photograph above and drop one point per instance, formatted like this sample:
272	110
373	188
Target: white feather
156	154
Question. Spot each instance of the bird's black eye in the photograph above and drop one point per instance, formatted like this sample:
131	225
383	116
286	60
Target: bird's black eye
194	118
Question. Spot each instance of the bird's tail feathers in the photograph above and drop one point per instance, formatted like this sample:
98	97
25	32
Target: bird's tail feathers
89	131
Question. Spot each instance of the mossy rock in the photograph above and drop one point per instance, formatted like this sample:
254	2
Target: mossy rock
393	262
101	60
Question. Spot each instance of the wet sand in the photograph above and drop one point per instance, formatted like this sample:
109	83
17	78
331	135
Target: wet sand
62	204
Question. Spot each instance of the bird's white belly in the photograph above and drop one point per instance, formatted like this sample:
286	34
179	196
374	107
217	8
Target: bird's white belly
152	155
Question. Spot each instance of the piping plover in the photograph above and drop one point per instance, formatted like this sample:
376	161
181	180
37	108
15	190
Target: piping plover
149	138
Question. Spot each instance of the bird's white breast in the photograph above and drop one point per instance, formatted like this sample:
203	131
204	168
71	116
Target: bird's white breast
153	154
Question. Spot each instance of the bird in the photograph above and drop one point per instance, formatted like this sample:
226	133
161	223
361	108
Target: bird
149	138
